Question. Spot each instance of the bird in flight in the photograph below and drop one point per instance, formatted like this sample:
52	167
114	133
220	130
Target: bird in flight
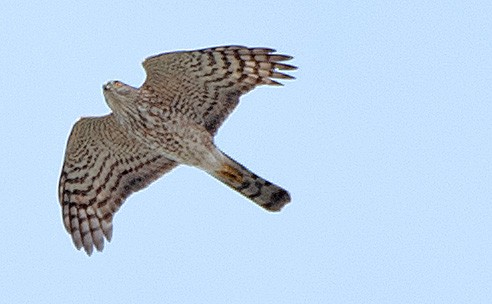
170	120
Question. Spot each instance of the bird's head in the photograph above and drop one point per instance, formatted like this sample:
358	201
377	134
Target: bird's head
119	96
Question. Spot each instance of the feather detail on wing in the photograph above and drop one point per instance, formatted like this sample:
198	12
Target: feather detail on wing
102	167
206	84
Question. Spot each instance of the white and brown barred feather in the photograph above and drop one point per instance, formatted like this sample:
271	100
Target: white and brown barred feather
102	167
206	84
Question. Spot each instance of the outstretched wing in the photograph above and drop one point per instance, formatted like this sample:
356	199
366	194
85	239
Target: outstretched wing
102	167
206	84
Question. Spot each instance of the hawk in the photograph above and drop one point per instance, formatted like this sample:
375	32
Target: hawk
170	120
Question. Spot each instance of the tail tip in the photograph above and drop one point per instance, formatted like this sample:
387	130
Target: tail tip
277	200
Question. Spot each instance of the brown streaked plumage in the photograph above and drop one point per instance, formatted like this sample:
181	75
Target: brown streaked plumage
170	120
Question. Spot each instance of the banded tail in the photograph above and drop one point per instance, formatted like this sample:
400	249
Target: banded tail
262	192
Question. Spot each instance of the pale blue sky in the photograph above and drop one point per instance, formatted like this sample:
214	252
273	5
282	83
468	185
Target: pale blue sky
383	140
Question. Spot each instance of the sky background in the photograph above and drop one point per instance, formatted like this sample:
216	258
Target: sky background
383	140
